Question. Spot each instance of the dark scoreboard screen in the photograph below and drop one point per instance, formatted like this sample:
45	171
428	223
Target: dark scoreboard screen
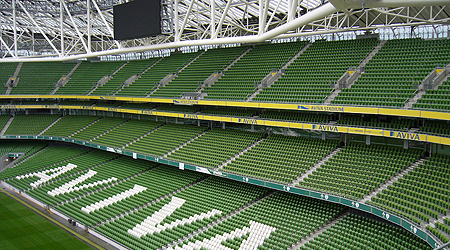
138	18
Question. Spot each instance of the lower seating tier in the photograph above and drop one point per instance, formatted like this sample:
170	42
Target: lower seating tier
125	199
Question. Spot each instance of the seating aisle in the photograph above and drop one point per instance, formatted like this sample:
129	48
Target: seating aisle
281	158
357	232
390	75
308	78
359	169
239	80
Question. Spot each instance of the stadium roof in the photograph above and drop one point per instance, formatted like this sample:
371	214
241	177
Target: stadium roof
73	29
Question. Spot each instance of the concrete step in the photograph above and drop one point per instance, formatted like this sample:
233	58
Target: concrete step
314	167
185	143
51	125
7	125
85	127
319	231
223	164
392	180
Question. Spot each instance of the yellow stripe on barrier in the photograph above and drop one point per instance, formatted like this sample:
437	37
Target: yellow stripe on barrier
270	123
360	110
375	132
307	126
435	115
278	106
296	125
316	108
207	117
445	141
227	119
243	104
282	124
399	112
434	139
360	131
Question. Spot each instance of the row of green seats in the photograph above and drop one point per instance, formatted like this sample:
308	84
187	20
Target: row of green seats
27	148
441	236
177	108
193	76
96	160
165	139
296	116
280	158
422	194
40	77
155	180
373	122
390	75
86	76
126	133
97	128
117	81
308	79
242	112
436	127
6	71
41	161
435	99
357	232
215	147
359	169
30	124
239	80
103	172
149	80
276	222
69	124
141	106
215	196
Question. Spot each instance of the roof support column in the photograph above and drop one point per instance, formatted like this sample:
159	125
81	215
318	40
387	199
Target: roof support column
80	36
213	18
224	14
13	3
262	15
38	27
176	18
88	17
61	26
292	10
180	32
106	23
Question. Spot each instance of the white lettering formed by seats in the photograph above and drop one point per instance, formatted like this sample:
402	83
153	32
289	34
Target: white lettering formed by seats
152	223
70	186
113	199
258	234
43	177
